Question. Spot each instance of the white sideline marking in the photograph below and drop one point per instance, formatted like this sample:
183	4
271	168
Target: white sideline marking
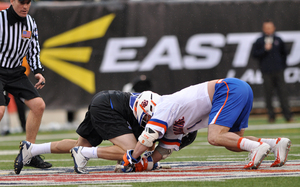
40	137
274	126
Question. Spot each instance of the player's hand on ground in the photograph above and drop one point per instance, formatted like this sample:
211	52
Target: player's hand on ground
130	163
145	163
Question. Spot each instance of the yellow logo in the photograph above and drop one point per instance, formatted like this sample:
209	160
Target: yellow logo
56	58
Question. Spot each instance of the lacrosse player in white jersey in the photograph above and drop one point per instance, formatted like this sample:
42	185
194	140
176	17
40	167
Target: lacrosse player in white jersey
221	105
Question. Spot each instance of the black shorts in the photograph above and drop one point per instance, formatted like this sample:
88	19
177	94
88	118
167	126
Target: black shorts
102	122
14	81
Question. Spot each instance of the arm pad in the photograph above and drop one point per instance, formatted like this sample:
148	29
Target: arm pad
148	137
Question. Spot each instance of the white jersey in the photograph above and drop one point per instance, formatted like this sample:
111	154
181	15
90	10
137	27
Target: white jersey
184	111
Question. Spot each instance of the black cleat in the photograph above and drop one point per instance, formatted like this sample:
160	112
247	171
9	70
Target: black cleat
38	162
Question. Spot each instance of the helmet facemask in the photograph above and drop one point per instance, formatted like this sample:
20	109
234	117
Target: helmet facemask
144	107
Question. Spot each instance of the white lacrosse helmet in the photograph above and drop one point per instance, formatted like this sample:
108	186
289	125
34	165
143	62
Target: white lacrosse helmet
144	105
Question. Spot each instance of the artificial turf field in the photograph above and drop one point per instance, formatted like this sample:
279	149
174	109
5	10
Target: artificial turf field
199	164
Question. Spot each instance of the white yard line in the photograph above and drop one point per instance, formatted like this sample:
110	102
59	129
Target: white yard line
40	137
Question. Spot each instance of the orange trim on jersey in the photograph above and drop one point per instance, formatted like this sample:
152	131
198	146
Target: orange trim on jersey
239	142
224	102
158	124
259	139
170	143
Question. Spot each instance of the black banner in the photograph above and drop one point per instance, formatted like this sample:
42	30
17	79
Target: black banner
89	47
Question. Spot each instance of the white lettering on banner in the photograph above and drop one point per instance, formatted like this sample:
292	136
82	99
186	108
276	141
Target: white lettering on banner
244	47
211	57
203	52
292	75
251	76
294	37
231	73
118	49
165	52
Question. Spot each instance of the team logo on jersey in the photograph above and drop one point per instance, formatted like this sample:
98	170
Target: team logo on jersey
57	57
178	126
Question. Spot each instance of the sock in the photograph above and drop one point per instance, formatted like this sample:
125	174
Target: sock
270	141
38	149
246	144
89	152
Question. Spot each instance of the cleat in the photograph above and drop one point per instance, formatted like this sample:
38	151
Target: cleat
257	155
23	157
80	161
38	162
281	150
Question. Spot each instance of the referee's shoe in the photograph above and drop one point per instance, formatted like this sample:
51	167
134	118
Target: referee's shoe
38	162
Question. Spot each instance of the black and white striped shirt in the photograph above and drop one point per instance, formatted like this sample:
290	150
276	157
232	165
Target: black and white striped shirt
19	39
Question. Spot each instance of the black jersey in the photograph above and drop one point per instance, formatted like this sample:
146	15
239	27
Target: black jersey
109	116
120	102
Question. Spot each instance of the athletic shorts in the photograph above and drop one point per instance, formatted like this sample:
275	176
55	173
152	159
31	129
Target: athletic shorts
232	103
102	122
15	82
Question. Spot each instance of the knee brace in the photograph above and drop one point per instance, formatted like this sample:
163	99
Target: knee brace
164	152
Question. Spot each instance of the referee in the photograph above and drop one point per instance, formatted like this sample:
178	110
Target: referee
19	38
